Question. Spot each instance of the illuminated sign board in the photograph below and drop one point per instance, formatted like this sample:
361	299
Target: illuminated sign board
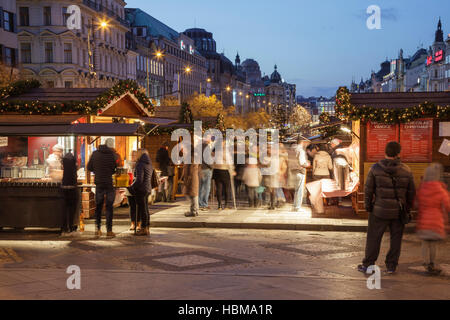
183	47
259	94
439	56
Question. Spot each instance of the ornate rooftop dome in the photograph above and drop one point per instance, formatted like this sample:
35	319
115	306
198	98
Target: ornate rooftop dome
275	77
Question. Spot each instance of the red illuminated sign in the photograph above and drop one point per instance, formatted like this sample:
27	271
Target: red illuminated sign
416	139
429	60
378	136
439	56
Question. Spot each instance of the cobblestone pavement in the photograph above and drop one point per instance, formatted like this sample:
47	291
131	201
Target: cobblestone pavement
209	264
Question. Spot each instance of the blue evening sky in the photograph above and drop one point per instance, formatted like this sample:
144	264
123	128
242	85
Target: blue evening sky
319	44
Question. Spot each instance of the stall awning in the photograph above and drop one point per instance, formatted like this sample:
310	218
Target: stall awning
159	121
80	129
39	119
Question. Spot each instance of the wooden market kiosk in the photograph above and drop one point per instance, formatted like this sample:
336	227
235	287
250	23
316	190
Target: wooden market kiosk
419	121
35	120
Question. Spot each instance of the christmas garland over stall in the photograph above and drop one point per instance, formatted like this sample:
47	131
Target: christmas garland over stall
348	112
79	107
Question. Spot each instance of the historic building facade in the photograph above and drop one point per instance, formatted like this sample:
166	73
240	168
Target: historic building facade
427	70
224	80
219	69
184	69
278	92
253	75
415	68
59	56
447	63
8	34
436	64
149	66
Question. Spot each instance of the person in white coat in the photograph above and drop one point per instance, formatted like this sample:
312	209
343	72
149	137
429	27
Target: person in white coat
322	164
298	169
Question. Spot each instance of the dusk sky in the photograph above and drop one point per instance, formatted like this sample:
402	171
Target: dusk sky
318	45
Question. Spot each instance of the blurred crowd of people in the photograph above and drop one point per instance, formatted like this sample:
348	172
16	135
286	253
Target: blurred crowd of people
271	179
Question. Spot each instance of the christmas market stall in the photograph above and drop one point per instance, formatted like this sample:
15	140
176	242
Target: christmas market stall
419	121
332	196
36	122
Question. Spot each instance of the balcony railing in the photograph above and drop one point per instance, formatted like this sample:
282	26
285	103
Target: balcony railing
100	8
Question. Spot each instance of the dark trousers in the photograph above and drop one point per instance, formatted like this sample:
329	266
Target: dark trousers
271	197
316	178
252	197
222	179
100	195
133	208
142	209
70	199
376	230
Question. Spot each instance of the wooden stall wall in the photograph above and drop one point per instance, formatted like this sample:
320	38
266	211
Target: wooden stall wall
437	142
153	143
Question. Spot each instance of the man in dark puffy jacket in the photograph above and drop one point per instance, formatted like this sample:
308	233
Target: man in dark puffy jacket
383	207
103	164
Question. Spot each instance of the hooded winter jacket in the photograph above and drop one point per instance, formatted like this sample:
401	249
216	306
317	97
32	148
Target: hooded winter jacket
103	164
379	192
143	176
433	202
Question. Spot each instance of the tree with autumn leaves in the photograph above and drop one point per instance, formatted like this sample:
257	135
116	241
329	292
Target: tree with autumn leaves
202	107
299	118
8	75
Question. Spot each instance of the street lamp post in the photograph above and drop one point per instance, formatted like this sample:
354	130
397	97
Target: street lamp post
158	55
186	70
242	102
102	25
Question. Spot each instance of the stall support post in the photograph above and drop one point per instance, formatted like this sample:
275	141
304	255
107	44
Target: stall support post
88	199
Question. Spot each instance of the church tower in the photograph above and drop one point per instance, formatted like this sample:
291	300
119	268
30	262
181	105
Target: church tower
439	33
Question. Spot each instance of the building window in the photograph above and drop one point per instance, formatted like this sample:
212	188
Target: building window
65	15
67	53
68	84
10	57
49	52
84	57
25	52
24	16
8	21
47	16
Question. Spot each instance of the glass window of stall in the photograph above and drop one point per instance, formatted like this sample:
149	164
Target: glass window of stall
33	158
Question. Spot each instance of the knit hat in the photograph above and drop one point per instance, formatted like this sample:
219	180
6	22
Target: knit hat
57	147
110	143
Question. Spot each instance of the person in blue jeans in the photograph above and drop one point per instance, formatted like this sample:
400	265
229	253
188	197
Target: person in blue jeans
206	172
103	163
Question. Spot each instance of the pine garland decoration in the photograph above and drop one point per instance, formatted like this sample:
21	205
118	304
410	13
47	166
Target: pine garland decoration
348	112
78	107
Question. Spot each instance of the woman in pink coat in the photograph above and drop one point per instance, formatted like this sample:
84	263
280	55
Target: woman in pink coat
433	202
